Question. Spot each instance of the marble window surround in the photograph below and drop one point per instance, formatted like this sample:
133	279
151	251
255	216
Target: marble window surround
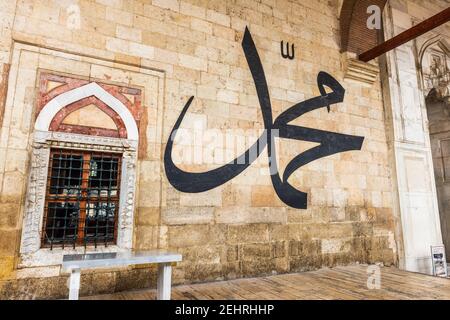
31	252
28	60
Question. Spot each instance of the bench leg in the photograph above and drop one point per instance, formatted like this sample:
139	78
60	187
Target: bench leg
164	281
74	284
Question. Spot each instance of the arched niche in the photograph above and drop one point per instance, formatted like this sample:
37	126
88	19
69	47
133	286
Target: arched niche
434	60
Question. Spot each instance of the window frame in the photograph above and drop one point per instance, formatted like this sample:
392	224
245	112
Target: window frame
83	198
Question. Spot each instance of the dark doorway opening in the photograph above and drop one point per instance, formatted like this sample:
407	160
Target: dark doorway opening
438	110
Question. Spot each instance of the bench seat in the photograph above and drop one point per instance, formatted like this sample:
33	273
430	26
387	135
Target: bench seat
74	263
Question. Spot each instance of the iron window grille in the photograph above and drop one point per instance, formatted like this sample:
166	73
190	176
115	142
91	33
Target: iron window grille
82	199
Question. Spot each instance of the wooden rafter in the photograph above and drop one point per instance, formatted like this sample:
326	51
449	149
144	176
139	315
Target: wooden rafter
410	34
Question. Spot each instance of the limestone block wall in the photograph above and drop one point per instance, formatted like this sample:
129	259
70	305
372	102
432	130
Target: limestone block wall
8	201
177	49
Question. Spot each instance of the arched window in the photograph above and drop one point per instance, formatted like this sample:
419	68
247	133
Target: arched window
84	155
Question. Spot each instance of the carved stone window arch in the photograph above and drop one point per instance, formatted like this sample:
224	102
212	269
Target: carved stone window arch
50	131
434	60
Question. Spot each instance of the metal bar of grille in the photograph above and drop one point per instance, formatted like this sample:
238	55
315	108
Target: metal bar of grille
82	198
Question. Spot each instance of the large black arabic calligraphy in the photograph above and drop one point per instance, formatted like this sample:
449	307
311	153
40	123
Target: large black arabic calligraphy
330	142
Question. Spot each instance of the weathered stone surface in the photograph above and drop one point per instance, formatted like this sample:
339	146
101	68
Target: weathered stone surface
263	196
91	283
137	278
99	282
8	242
6	267
259	266
147	237
194	235
252	252
240	215
204	272
279	249
148	216
187	215
8	214
232	253
305	256
204	253
247	233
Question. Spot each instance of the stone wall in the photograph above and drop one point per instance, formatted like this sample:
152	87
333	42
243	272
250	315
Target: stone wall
8	202
177	49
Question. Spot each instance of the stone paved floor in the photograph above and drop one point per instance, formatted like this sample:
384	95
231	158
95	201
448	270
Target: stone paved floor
348	282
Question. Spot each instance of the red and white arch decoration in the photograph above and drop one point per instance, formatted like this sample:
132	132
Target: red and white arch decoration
107	102
59	97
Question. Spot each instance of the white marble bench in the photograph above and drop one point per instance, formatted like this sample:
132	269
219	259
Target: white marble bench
73	263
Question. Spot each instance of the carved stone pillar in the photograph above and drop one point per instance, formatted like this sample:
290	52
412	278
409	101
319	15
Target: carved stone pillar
417	215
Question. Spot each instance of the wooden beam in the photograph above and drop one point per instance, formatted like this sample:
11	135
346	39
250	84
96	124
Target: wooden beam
419	29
